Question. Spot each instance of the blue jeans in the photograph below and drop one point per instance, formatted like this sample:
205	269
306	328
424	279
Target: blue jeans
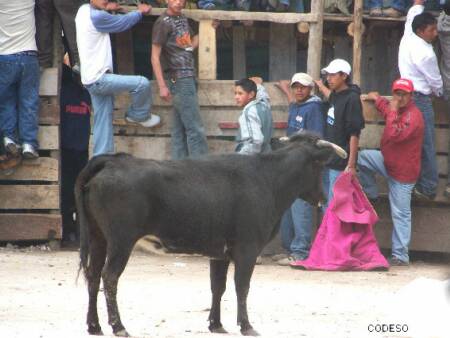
399	5
102	95
296	229
188	134
371	162
429	177
19	97
328	179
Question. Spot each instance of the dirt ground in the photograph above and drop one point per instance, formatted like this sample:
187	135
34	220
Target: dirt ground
169	296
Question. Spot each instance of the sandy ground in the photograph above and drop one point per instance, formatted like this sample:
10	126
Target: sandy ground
168	296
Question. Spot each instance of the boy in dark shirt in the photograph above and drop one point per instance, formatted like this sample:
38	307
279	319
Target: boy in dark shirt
344	120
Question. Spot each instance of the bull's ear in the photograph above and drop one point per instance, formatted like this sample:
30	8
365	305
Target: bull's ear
322	155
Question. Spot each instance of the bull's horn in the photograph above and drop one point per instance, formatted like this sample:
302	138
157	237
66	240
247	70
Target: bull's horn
339	151
284	139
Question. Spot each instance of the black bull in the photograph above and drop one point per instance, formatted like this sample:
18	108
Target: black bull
226	207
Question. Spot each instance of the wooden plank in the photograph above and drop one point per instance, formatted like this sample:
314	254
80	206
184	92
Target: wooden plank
199	14
48	137
357	40
29	196
124	52
315	40
49	82
430	228
207	58
282	51
45	169
21	227
239	59
48	112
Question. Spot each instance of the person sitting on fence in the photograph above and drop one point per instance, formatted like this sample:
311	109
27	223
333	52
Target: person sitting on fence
305	113
344	120
444	44
398	161
93	24
255	122
395	10
19	78
418	63
45	12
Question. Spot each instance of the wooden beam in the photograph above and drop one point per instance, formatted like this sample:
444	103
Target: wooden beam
125	52
207	52
357	40
47	169
315	40
48	112
29	196
48	137
23	227
49	82
282	51
239	55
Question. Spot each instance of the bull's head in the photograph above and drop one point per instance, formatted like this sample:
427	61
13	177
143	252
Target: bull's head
320	152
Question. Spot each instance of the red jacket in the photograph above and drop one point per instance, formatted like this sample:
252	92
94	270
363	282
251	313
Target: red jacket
401	143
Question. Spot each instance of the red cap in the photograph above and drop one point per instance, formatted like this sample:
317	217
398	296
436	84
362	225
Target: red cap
403	84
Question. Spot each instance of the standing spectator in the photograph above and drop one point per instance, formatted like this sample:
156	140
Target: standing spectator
8	162
396	9
444	43
418	63
255	121
344	120
398	161
172	38
45	13
305	113
93	24
75	131
19	78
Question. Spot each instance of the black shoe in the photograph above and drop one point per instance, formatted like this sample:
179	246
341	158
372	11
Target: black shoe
395	261
422	196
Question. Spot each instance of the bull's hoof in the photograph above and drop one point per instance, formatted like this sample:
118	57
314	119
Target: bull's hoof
218	329
95	330
122	333
249	332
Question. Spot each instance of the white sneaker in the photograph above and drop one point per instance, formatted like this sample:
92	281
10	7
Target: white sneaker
29	152
11	147
152	121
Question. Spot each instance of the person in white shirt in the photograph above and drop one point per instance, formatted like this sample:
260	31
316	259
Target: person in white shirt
417	62
93	25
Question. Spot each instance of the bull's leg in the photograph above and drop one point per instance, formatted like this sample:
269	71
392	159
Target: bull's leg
117	258
97	260
218	274
244	265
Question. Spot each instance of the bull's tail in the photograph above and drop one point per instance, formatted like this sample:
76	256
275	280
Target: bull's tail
93	167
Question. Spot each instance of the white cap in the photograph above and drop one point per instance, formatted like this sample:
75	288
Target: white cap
336	66
302	78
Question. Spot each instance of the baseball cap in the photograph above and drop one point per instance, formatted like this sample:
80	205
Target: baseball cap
336	66
403	84
302	78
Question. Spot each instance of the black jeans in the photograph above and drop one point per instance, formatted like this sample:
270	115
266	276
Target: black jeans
45	12
72	162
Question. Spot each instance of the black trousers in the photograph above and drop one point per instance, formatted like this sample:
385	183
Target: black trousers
72	162
45	12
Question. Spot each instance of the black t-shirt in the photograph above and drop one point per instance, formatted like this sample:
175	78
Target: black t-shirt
75	113
344	118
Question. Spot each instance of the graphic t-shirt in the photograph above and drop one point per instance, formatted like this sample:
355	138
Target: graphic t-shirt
173	33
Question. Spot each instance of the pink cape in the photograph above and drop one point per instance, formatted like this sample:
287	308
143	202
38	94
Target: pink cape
345	240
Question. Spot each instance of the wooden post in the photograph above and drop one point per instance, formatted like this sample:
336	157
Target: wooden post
125	53
282	51
207	58
357	40
239	56
315	40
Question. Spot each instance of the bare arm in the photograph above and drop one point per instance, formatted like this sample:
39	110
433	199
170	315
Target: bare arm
323	89
351	166
284	87
195	41
164	92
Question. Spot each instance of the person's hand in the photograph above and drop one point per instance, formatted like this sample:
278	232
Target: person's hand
394	104
144	9
164	93
113	7
352	170
372	96
283	85
419	2
256	79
